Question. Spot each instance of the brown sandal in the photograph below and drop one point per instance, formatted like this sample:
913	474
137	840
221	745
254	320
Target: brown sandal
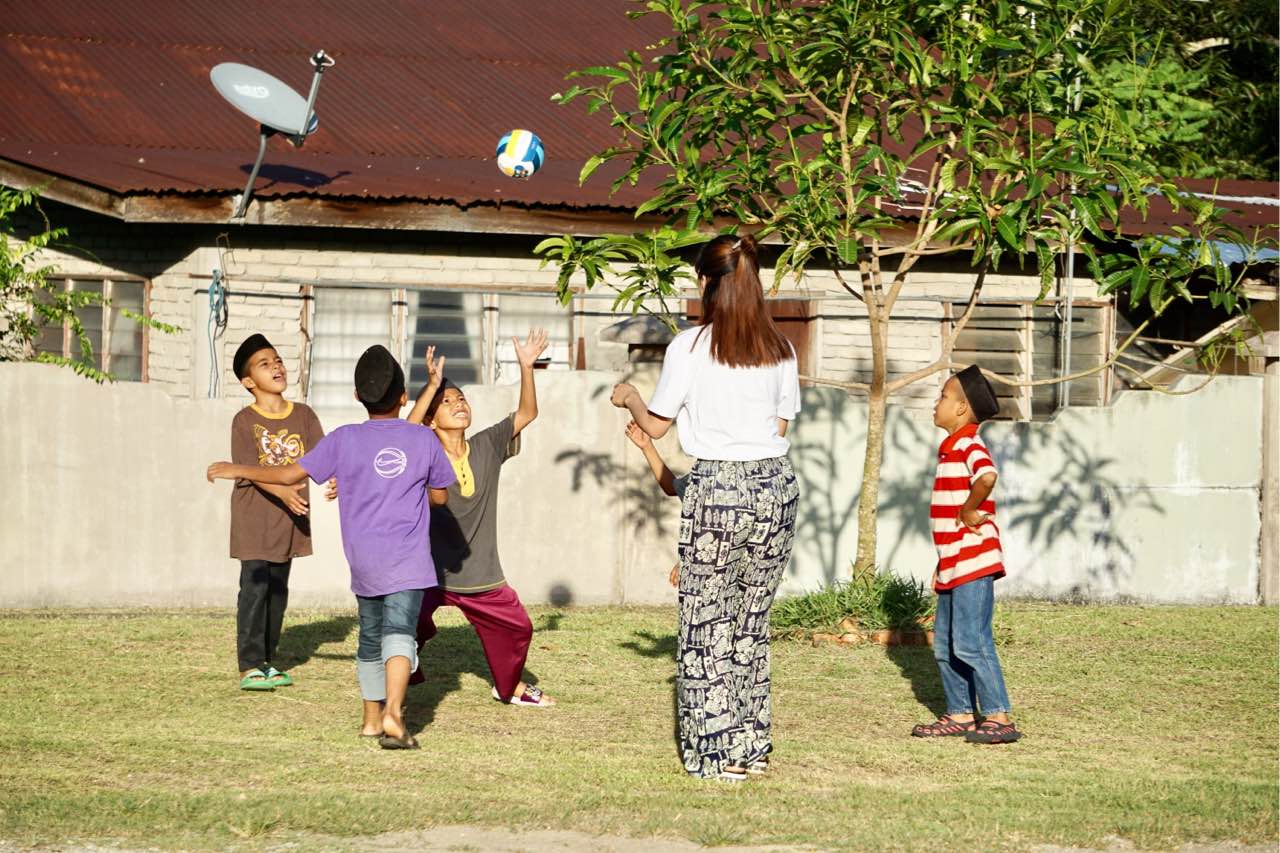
946	726
993	731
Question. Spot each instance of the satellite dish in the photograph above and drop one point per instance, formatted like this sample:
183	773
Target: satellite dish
274	105
262	98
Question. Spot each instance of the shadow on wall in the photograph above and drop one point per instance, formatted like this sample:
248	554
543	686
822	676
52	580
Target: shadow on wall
1056	493
634	491
1078	501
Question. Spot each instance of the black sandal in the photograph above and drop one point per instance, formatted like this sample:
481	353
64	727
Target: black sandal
993	731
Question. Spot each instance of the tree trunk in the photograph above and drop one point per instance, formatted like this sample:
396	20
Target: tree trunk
864	563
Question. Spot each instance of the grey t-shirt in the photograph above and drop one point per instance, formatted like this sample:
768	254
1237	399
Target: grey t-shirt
464	532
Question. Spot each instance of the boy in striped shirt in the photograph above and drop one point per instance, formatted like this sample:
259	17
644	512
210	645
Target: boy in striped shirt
969	562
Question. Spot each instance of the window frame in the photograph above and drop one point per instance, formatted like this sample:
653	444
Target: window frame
102	355
952	309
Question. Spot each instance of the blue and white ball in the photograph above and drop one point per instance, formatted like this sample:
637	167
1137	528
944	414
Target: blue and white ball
520	154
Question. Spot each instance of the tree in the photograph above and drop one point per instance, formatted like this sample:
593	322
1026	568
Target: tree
30	302
865	135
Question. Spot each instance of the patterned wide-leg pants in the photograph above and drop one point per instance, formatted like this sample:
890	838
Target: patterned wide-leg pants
737	525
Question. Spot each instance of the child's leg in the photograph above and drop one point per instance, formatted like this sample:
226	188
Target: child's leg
505	632
957	676
277	602
251	614
370	671
432	600
973	643
399	653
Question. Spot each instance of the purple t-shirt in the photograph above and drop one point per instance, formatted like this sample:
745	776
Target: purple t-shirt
384	468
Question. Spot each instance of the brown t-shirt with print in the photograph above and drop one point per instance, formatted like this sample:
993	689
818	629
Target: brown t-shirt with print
261	527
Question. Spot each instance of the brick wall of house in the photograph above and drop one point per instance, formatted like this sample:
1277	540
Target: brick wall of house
179	260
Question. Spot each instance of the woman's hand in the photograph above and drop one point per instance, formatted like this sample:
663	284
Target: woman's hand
622	394
331	488
638	437
674	577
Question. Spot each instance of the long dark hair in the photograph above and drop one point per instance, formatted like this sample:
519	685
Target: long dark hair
742	332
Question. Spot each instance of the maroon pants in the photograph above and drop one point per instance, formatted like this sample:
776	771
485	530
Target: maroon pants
501	623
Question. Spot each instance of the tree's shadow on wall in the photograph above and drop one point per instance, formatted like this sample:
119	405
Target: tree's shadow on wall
1073	496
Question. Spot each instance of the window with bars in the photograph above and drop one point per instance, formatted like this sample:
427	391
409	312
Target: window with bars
516	315
1026	341
472	330
119	342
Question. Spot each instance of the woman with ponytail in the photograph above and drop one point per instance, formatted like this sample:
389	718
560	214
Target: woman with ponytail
731	385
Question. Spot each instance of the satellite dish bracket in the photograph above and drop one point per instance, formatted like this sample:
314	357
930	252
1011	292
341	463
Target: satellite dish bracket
320	61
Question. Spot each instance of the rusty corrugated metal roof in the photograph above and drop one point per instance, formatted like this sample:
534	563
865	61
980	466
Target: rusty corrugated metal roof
117	95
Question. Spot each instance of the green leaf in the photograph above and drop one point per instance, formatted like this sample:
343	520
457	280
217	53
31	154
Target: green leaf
860	133
1087	211
1007	229
590	166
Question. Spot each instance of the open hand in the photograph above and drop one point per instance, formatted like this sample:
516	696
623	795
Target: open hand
622	393
971	519
534	345
435	371
638	437
218	471
293	499
331	489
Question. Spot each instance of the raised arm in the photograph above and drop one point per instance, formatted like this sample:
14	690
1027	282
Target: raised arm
280	475
625	396
661	473
527	354
435	376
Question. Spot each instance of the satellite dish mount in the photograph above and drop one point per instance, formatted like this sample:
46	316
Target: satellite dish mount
274	105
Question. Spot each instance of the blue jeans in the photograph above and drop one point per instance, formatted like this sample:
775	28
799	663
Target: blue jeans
966	650
388	628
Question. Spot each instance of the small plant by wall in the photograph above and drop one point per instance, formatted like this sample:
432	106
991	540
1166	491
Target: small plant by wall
882	607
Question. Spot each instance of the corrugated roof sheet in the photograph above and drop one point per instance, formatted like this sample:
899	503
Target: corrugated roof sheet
117	95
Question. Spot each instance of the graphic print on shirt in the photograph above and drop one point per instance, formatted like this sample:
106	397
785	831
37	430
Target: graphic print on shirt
390	462
277	448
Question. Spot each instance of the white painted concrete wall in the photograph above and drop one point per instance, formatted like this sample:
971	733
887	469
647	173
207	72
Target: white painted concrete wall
1157	498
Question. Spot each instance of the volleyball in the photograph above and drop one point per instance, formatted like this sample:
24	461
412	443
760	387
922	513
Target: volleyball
520	153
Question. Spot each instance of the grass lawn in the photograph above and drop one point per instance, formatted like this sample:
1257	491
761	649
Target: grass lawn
1155	724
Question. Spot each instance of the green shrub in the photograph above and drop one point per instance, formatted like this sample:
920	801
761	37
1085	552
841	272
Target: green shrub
877	602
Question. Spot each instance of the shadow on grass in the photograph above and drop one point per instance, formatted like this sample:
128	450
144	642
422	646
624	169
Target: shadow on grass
660	646
454	652
920	669
299	641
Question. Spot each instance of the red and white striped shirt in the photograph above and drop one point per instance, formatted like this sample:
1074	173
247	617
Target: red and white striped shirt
963	555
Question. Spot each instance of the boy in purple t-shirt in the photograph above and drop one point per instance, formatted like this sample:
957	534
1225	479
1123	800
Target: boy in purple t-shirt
387	468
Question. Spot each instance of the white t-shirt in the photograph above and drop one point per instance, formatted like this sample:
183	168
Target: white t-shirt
725	413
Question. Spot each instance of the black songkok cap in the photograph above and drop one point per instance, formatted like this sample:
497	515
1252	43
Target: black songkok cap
255	343
439	395
979	393
379	379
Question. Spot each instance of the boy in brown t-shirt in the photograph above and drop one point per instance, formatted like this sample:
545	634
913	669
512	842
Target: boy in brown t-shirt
269	524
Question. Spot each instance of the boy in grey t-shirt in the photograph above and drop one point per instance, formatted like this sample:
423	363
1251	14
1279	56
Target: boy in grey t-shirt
464	534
